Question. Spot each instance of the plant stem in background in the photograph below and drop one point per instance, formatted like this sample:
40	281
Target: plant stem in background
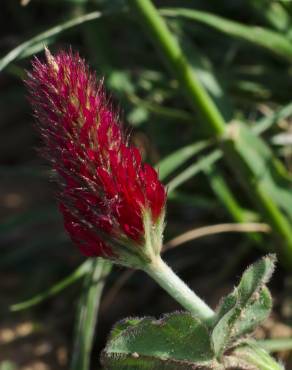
169	281
176	61
87	313
199	100
227	198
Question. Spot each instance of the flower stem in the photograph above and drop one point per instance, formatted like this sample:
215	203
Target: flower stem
169	281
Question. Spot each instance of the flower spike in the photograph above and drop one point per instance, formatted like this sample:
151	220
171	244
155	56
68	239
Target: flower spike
112	203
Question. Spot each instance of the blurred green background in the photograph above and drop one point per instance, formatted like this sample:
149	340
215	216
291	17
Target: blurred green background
241	51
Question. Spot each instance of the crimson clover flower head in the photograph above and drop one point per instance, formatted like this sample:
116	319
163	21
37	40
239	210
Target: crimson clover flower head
112	203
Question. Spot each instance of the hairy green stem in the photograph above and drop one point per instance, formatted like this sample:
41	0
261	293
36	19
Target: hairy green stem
169	281
199	100
87	314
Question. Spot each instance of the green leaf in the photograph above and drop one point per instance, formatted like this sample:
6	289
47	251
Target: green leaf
123	325
227	304
177	341
222	332
254	313
255	277
265	38
38	42
242	310
170	163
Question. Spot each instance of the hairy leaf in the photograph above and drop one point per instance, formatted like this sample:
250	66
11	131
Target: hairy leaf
247	306
177	341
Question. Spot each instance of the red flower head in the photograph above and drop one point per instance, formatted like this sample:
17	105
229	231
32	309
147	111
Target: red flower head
113	205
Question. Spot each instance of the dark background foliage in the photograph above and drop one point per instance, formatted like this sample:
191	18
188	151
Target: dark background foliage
248	81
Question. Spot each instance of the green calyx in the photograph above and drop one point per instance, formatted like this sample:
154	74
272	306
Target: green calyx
138	255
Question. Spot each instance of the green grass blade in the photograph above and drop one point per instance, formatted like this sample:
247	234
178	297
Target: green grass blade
170	163
194	169
265	38
87	313
55	289
38	42
265	123
161	110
